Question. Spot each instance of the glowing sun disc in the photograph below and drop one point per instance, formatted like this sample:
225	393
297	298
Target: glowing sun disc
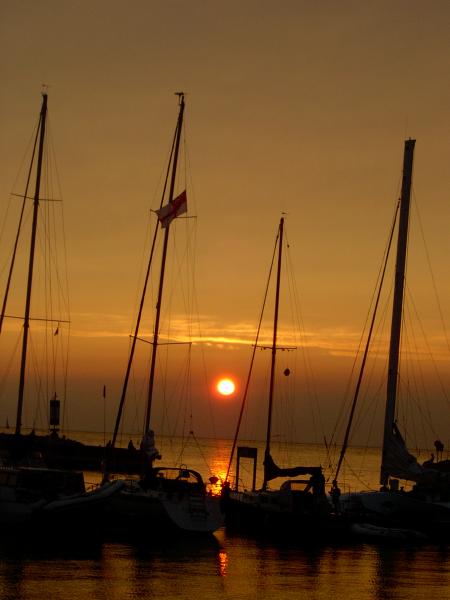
225	387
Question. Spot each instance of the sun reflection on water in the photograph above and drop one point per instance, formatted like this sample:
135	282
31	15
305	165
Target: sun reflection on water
223	563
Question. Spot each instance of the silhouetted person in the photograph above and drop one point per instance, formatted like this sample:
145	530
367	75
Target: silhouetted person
335	494
429	462
439	449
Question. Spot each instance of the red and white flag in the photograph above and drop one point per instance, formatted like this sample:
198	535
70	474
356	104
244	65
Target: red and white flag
173	209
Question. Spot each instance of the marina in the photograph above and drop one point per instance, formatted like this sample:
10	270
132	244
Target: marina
224	300
226	564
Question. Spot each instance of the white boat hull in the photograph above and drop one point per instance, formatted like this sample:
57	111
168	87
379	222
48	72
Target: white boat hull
377	532
395	514
155	510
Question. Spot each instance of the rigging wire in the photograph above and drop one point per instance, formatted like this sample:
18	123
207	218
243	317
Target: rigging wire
364	359
430	356
244	398
433	279
309	378
47	360
16	242
32	142
194	309
141	307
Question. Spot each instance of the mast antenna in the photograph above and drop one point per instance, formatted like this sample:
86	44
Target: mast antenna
180	96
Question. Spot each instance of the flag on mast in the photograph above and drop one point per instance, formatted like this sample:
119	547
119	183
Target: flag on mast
170	211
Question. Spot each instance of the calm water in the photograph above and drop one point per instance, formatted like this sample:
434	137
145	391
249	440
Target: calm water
225	566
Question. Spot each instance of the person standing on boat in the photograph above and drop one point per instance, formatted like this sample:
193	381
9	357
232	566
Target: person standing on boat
335	494
148	446
429	462
439	449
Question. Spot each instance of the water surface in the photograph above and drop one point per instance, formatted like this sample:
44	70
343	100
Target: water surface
222	566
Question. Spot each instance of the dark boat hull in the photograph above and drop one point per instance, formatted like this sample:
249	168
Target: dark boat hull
274	514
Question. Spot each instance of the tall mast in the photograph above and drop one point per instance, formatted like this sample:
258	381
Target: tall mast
26	322
163	267
138	323
274	347
397	307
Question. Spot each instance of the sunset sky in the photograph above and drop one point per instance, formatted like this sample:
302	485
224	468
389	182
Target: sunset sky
292	107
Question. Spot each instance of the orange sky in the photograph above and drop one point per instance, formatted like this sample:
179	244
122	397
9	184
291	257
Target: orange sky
295	106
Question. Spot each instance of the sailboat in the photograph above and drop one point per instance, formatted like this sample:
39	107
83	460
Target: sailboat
392	511
31	491
299	507
163	498
57	451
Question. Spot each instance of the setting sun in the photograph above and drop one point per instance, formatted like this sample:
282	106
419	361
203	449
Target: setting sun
226	387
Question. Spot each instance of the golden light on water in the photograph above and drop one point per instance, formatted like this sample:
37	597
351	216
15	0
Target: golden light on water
223	563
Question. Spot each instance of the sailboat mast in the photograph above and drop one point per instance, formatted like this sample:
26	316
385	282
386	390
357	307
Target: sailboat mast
163	267
397	307
274	346
26	322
